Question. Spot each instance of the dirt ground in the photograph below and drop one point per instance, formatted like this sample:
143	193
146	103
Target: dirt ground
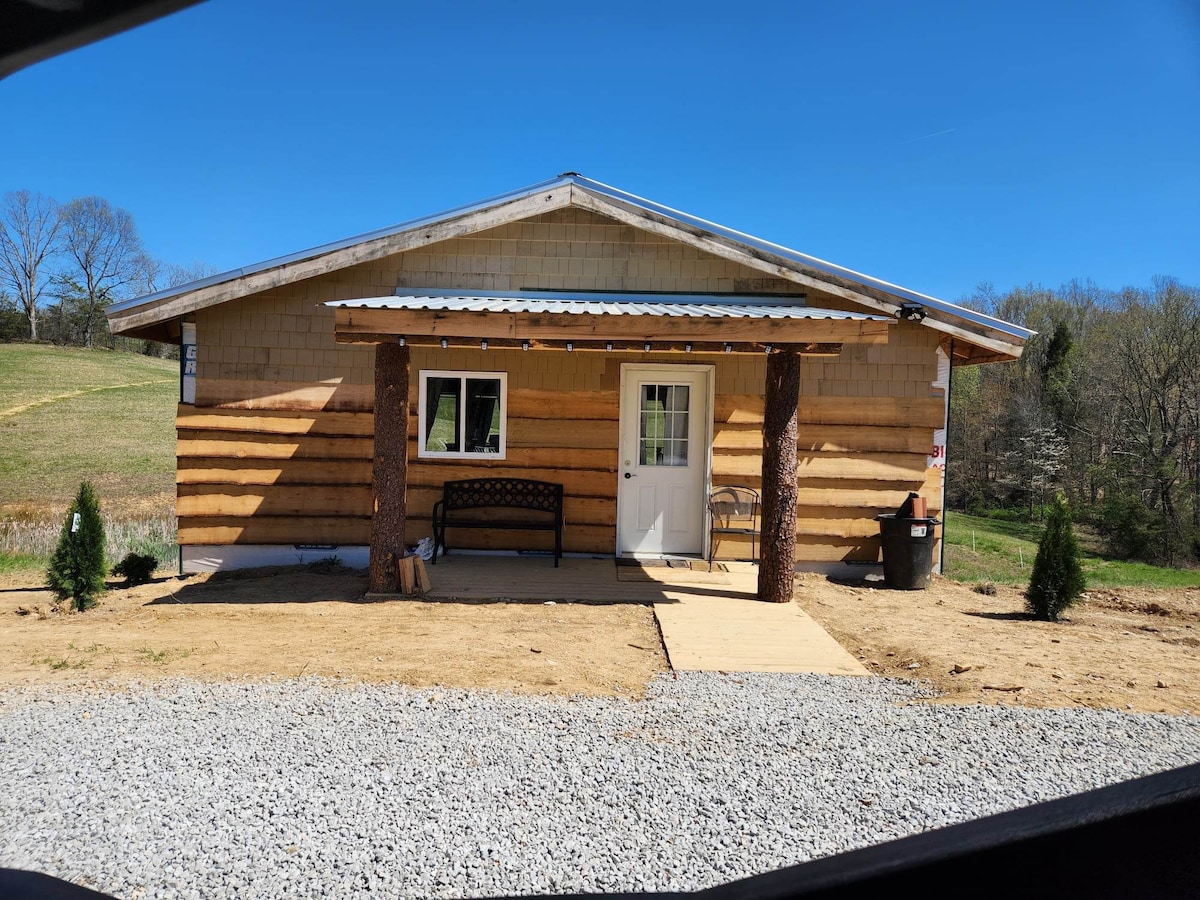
285	623
1124	648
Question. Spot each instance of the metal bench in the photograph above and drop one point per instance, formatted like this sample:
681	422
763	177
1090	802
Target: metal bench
462	499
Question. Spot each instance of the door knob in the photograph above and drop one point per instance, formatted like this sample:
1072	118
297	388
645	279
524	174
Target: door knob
628	474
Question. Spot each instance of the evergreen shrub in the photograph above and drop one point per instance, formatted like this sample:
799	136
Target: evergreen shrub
136	568
1057	580
78	567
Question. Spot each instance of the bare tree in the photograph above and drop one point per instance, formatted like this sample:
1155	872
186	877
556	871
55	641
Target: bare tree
29	224
107	255
162	275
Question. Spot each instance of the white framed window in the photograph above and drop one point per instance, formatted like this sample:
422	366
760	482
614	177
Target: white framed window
461	415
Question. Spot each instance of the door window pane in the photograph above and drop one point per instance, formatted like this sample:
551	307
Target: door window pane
663	425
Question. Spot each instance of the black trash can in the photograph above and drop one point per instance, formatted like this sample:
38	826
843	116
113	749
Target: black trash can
907	551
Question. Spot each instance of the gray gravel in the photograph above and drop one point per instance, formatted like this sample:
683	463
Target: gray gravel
311	788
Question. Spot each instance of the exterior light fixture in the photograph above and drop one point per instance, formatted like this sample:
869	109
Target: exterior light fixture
524	345
687	348
445	343
570	346
729	348
646	347
608	346
402	340
769	348
911	312
483	344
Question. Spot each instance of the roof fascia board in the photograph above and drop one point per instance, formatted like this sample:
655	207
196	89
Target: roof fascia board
647	219
541	198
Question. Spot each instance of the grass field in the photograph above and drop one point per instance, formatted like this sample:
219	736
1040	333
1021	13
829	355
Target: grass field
980	549
69	415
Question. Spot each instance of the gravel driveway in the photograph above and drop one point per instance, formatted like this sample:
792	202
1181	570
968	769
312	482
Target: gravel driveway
308	788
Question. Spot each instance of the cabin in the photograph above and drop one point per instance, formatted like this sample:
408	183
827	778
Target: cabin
568	332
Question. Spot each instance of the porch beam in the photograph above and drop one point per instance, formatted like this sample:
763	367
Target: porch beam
389	473
350	321
777	563
624	346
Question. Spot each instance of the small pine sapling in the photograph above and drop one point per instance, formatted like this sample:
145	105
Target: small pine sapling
78	567
1057	580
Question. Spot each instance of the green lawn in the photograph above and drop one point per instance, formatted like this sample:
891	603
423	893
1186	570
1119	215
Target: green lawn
69	415
979	549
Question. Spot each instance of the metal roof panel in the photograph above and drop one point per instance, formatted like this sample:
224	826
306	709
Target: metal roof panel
752	307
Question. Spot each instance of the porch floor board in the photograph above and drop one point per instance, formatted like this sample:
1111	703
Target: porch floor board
709	622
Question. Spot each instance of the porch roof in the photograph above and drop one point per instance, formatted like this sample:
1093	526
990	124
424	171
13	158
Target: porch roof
606	304
603	321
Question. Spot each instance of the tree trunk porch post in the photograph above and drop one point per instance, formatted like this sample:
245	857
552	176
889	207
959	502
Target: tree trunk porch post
389	472
777	558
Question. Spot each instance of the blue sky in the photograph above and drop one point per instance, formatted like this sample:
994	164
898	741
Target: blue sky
933	144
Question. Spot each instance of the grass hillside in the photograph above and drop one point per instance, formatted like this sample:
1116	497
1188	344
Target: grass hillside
69	415
979	549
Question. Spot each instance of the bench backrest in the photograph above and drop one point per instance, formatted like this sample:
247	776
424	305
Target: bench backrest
519	493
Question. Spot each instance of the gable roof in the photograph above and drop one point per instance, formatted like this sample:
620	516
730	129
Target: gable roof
986	337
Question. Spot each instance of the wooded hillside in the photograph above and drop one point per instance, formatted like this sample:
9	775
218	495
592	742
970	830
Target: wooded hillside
1104	406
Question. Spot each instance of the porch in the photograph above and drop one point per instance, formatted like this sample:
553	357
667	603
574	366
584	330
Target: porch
710	621
665	429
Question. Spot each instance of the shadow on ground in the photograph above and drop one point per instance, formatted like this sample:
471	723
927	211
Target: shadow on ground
270	586
1001	616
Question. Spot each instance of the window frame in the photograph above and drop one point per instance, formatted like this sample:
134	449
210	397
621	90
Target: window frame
463	376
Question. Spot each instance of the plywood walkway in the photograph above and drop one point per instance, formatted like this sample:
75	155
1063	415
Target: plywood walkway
715	634
709	621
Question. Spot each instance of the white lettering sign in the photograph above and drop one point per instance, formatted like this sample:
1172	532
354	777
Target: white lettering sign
937	459
187	340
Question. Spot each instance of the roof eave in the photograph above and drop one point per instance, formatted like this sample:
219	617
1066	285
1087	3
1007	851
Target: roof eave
803	260
995	335
214	289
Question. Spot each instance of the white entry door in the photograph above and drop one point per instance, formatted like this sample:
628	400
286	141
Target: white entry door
663	464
